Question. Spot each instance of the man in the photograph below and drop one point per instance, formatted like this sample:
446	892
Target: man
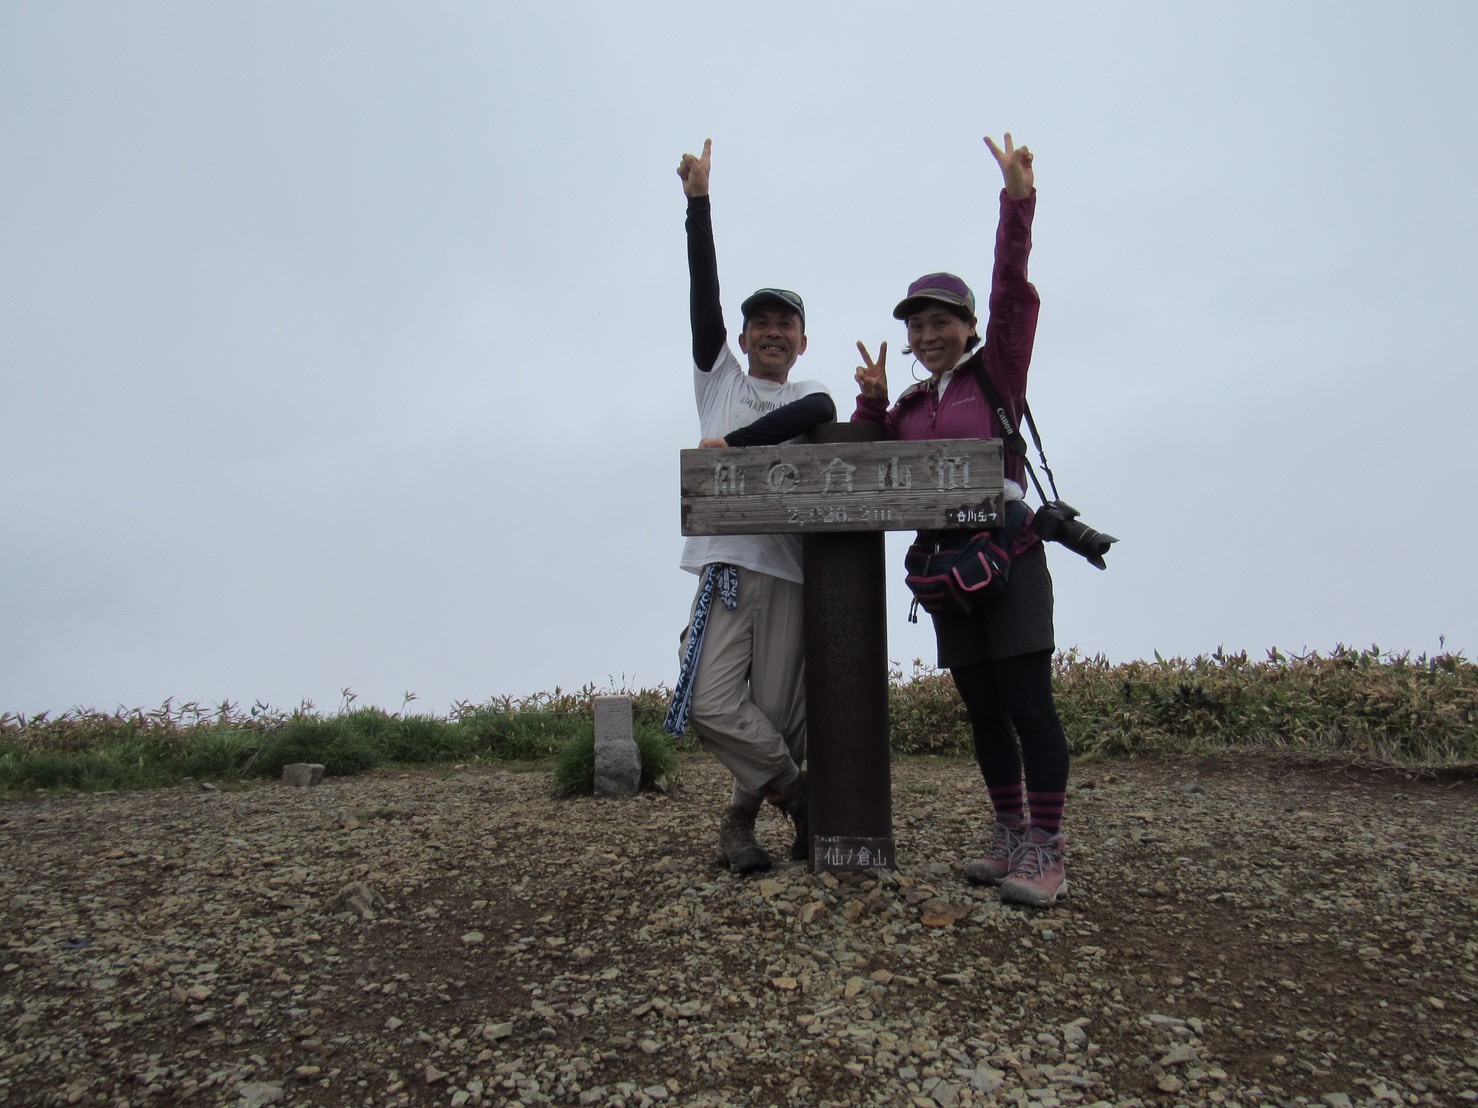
742	680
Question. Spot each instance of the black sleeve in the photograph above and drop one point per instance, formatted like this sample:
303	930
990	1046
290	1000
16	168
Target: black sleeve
786	421
706	314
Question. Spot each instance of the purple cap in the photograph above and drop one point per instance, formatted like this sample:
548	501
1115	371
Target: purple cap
943	288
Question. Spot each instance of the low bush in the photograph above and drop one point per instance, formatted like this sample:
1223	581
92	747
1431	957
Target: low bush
574	766
1359	703
1362	704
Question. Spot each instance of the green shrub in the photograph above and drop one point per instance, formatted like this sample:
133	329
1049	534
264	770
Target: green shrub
219	753
1361	704
574	767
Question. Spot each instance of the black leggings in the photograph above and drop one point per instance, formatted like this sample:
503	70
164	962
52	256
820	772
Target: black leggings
1014	721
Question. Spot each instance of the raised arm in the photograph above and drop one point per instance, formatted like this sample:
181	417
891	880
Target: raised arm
704	311
1014	305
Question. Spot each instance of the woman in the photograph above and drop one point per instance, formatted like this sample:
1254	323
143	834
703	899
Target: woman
1000	657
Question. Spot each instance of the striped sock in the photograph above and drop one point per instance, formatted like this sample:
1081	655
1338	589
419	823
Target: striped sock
1007	801
1046	809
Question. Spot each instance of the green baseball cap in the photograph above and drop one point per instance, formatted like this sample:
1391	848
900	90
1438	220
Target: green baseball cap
784	297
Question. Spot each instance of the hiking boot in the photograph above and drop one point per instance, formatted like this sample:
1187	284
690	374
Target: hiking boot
1038	876
736	841
794	801
996	864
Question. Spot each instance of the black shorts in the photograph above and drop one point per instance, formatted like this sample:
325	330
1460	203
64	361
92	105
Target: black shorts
1020	623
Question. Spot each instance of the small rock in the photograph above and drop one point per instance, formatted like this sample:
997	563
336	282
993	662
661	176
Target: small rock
1180	1054
302	774
358	898
259	1094
939	912
986	1080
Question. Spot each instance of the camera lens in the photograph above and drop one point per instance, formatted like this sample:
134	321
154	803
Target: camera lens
1058	522
1084	540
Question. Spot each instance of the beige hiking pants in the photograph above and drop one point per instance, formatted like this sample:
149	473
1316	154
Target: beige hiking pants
749	705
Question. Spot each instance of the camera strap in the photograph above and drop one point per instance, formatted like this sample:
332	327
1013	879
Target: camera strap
1012	433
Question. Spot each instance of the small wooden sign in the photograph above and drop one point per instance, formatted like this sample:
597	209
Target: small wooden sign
929	484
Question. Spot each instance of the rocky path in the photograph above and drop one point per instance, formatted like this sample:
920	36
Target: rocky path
1239	932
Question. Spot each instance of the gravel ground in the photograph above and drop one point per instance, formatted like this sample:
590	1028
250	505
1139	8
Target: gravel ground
1240	931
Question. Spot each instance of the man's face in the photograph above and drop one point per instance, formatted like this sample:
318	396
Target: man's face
773	340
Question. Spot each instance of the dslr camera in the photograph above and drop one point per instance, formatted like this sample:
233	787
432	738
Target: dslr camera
1057	521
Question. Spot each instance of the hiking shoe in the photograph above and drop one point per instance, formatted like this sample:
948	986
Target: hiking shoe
996	864
800	850
794	801
737	843
1038	876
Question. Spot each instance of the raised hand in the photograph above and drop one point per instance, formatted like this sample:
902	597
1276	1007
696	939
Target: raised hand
694	170
1016	167
872	376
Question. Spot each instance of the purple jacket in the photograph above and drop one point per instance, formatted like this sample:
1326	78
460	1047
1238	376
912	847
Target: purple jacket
1005	351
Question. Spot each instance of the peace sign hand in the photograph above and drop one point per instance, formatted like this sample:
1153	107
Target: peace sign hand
1016	167
872	376
694	171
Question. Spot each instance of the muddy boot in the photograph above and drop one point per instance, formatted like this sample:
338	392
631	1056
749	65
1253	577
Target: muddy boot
737	843
793	800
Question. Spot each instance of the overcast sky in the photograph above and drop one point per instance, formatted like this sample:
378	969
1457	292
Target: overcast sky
346	345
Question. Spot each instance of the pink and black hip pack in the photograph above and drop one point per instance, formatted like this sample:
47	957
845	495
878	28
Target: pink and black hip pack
959	572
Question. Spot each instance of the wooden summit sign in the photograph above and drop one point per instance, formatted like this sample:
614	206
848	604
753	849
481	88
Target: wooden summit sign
929	484
841	490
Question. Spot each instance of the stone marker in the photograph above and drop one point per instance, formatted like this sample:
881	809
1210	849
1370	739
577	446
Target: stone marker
302	774
617	760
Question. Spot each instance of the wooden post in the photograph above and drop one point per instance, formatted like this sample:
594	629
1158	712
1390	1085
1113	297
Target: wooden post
840	491
846	628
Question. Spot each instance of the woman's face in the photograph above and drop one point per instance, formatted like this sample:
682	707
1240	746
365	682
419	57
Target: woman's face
937	338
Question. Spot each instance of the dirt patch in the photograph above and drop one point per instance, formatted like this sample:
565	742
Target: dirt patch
1239	931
